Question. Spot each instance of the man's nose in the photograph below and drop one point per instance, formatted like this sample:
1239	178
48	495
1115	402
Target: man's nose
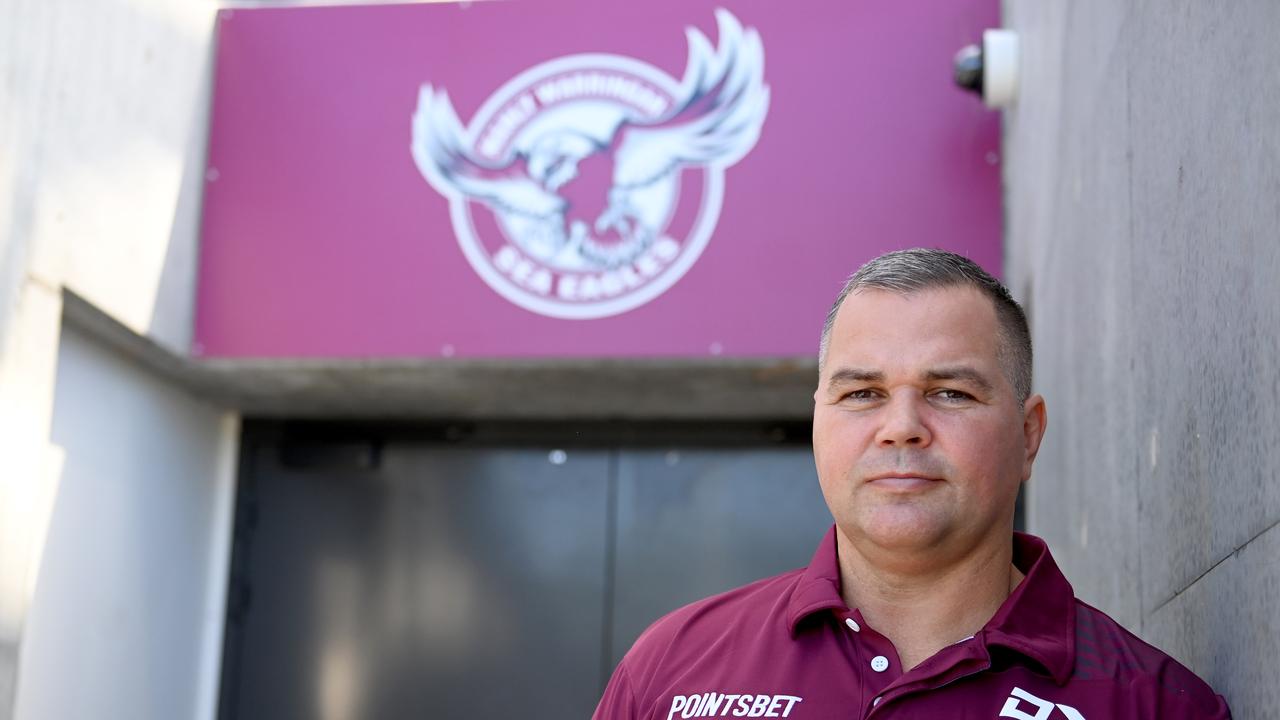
902	423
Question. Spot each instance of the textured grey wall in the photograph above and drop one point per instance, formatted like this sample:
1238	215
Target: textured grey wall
1142	187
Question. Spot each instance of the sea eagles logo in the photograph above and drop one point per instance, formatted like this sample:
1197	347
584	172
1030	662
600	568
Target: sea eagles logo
587	185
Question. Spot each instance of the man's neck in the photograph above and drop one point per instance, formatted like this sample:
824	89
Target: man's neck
922	608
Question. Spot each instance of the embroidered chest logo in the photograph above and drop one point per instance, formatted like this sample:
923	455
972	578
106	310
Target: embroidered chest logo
1020	701
713	704
587	185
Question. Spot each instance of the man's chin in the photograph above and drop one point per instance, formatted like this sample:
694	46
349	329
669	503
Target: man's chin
901	530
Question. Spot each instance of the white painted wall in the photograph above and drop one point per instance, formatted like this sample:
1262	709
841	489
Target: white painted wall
103	108
126	617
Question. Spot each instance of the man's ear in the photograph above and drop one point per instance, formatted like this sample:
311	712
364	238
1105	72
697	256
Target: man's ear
1034	422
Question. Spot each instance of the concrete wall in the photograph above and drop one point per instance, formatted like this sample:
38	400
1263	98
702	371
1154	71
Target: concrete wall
127	612
102	134
1142	186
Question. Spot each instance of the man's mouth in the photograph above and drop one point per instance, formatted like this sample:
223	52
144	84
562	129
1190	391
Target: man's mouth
902	482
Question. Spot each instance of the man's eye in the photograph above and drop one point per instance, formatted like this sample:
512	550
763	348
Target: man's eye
952	395
860	395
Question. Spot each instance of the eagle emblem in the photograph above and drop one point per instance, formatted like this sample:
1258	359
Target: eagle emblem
565	187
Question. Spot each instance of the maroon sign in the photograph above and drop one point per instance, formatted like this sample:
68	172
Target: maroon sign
576	178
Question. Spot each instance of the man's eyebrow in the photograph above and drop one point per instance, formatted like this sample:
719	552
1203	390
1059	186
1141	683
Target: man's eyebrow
851	375
964	373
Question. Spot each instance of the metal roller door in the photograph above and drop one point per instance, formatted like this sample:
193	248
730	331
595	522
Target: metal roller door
489	572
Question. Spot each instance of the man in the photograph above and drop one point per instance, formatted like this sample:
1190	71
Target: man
921	602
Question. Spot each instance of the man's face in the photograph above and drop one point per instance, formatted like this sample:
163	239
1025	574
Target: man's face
919	440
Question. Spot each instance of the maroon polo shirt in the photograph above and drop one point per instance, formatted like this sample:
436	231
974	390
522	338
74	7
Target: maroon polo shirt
788	647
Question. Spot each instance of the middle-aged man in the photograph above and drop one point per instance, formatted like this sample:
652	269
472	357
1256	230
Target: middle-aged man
921	602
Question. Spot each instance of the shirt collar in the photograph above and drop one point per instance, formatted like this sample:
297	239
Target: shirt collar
1039	617
819	586
1036	620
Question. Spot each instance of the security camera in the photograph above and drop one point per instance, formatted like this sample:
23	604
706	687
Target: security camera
991	70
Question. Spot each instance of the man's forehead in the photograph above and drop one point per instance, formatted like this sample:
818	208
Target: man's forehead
942	327
962	310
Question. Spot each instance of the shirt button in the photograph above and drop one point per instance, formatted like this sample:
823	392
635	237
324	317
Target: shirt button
879	663
876	701
853	624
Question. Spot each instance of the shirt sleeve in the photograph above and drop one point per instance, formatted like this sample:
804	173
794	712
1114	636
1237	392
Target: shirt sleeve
1221	712
619	700
1187	698
1187	711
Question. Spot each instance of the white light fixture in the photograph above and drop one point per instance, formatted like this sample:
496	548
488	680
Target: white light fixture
990	70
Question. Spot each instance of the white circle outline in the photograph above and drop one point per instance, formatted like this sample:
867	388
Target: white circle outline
698	238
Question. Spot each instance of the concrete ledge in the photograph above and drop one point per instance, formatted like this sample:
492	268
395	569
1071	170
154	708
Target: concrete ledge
543	389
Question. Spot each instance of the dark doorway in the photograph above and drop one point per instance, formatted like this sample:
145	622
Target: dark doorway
489	571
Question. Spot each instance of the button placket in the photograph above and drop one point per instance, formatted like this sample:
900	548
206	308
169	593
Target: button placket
963	659
875	656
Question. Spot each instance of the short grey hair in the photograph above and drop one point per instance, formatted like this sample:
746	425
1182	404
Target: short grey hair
910	271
